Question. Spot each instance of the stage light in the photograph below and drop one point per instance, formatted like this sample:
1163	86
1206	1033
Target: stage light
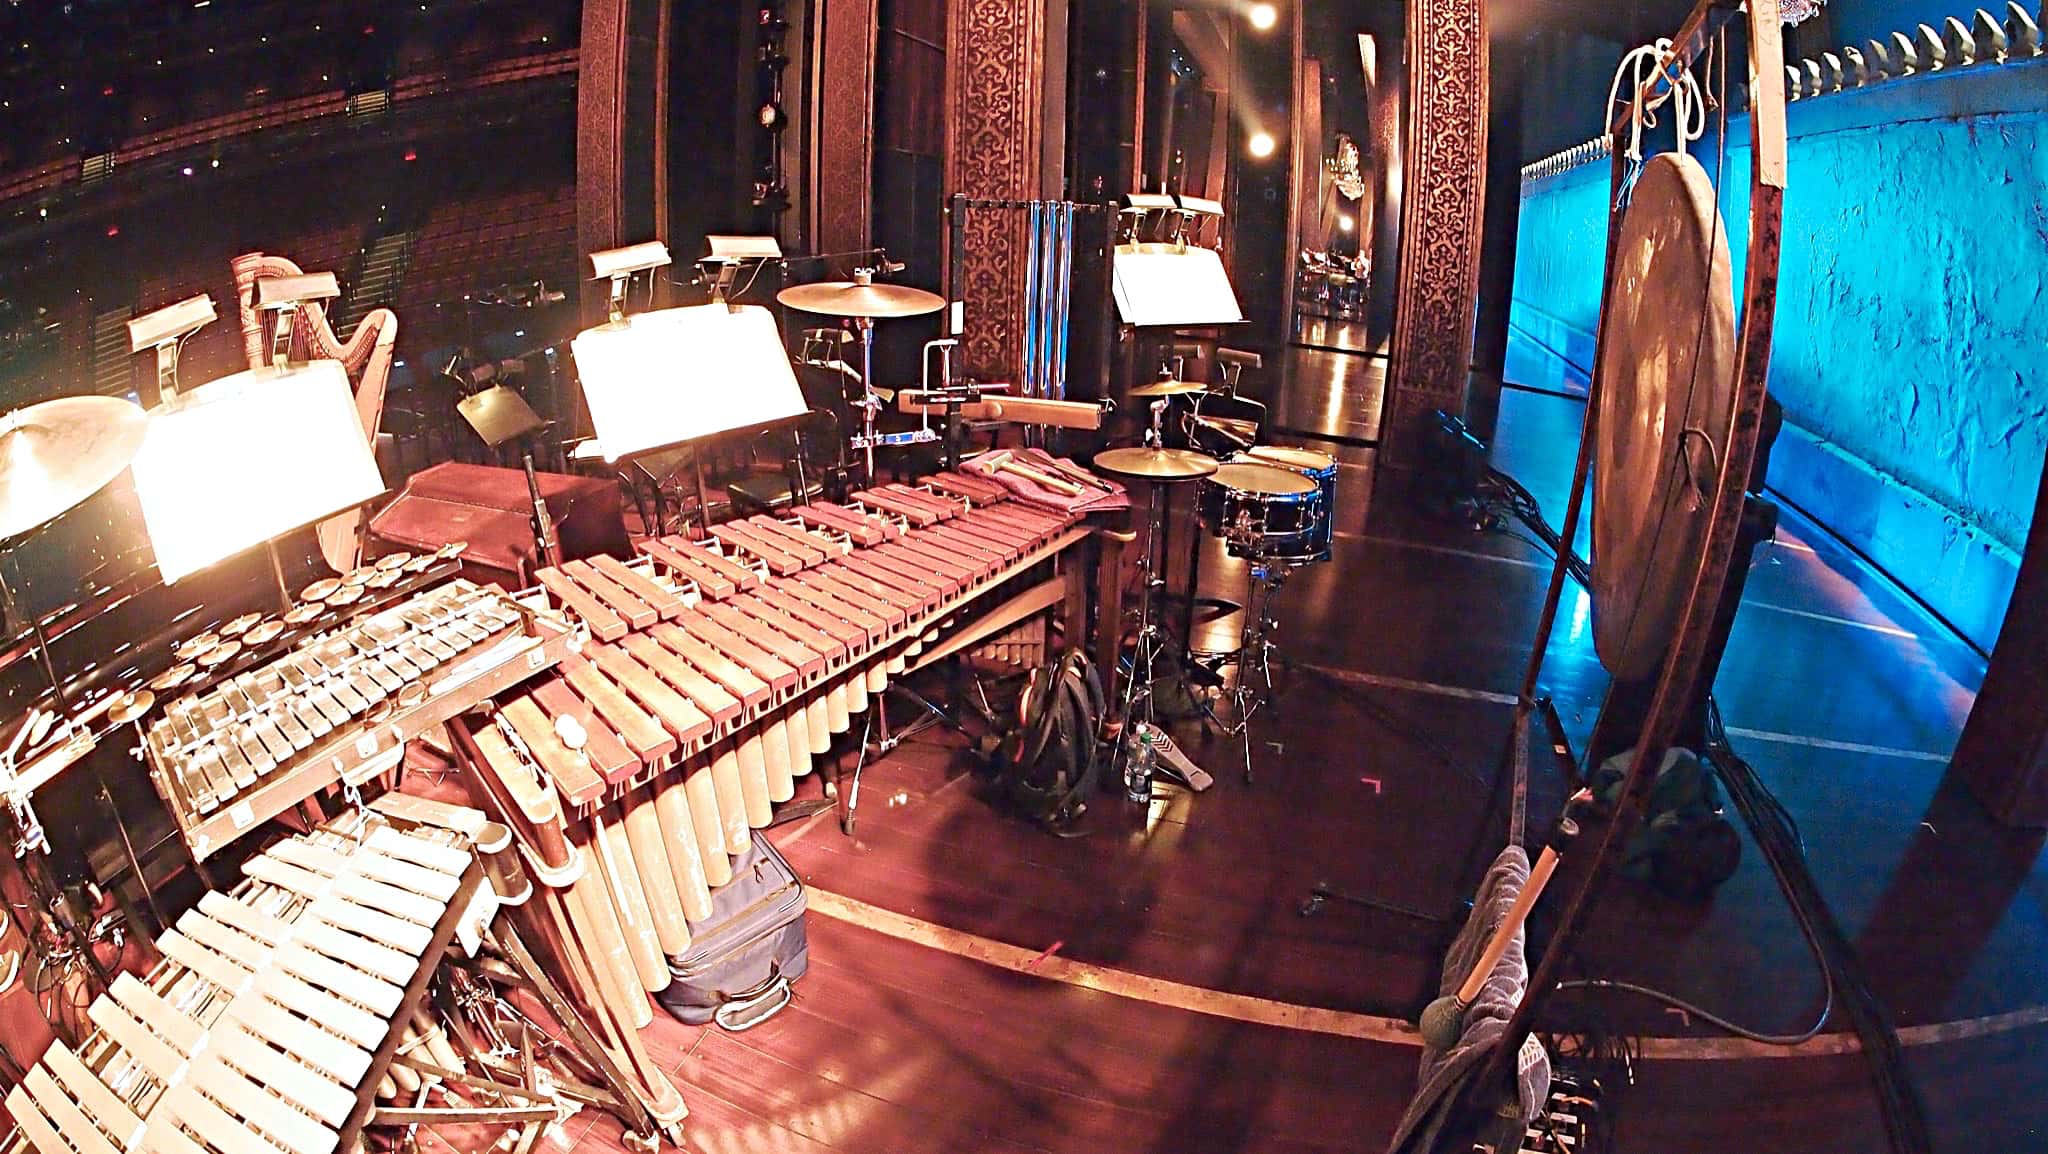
187	170
1346	223
1263	16
1261	144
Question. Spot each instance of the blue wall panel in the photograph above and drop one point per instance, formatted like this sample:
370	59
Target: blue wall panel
1912	286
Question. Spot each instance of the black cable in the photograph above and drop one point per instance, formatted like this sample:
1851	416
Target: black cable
1899	1103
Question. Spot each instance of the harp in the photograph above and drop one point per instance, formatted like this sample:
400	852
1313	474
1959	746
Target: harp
366	355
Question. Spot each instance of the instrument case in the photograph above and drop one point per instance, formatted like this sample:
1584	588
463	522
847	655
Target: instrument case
745	958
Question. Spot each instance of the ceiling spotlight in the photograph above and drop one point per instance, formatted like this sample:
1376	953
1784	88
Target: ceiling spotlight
1346	224
1261	144
1263	16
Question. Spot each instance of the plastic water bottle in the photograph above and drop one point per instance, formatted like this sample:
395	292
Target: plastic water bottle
1139	761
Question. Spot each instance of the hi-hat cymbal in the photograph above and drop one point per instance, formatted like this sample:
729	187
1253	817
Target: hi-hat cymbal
854	299
1156	464
57	453
1168	387
1667	356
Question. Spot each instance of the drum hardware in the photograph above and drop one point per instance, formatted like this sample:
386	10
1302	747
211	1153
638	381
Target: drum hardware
861	301
53	456
1160	467
545	549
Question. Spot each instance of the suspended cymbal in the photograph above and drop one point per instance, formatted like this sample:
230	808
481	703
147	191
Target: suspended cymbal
57	453
854	299
1667	366
1156	464
131	706
1168	387
173	677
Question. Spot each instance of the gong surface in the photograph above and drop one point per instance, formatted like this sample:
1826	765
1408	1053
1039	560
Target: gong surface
1667	365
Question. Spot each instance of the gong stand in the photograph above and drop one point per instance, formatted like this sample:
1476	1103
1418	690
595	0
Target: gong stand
1684	660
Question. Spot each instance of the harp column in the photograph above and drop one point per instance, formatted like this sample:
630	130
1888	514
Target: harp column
1442	205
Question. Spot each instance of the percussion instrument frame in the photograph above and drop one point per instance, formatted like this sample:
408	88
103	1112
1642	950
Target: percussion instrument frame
1681	665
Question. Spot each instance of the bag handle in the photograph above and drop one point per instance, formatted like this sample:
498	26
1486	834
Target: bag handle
745	1013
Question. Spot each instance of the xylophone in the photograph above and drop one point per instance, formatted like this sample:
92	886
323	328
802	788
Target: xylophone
718	669
272	1021
337	702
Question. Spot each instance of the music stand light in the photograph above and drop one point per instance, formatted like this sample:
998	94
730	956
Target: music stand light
245	459
1172	287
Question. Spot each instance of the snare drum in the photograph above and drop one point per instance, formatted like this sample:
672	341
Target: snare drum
1316	466
1262	510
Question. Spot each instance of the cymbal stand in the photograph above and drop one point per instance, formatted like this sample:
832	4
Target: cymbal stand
1145	653
870	403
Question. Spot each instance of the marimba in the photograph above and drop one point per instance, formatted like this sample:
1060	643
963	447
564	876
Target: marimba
273	1019
338	705
718	669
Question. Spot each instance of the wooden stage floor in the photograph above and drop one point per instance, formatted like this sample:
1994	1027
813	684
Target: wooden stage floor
1152	986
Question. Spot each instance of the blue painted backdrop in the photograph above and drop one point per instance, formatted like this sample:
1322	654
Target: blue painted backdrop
1914	287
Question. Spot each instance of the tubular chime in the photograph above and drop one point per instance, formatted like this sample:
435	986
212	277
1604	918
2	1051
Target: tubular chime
272	1022
718	670
1050	239
1048	277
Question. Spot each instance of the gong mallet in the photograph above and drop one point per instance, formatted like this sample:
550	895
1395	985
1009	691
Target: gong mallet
1443	1020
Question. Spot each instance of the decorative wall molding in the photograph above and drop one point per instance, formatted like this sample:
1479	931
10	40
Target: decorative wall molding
1984	40
994	89
844	181
1443	204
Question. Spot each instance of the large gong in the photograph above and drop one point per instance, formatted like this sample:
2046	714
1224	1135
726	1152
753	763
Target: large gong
1667	365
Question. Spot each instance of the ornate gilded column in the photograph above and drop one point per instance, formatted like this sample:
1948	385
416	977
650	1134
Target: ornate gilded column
995	97
1443	202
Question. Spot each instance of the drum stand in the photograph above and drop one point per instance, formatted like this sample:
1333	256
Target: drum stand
1256	655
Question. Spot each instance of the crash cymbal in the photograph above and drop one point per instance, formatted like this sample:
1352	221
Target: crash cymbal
173	677
240	625
1144	464
59	452
319	590
263	634
219	654
190	650
859	298
1667	365
1168	387
131	706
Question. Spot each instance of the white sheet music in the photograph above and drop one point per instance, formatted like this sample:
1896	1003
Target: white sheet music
1162	285
674	375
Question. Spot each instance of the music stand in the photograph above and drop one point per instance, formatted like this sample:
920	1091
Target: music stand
671	377
243	460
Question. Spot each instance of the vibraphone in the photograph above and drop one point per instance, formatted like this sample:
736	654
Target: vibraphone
719	668
334	699
272	1021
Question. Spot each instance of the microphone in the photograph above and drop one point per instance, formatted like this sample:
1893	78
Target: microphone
891	267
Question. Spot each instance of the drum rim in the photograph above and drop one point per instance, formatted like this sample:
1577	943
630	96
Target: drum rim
1219	478
1266	455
